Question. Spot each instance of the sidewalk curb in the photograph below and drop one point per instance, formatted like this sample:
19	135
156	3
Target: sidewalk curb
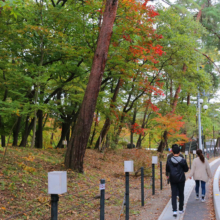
216	194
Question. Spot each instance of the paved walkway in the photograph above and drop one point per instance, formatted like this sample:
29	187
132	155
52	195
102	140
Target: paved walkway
194	209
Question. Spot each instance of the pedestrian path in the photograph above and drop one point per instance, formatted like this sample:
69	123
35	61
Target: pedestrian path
196	209
189	202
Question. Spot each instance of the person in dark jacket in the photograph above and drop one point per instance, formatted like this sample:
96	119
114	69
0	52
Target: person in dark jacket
169	157
176	166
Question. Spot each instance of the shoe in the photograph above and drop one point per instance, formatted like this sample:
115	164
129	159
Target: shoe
175	214
197	197
181	212
203	199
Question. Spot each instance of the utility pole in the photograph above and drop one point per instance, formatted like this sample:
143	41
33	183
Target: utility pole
199	122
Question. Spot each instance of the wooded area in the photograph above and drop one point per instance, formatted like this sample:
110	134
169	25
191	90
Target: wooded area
105	74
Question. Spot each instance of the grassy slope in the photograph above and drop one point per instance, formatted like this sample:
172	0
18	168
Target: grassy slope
23	183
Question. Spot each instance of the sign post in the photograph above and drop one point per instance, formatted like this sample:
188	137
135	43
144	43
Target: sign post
57	184
102	199
154	161
128	167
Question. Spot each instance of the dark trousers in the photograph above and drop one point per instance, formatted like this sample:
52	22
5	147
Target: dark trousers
177	188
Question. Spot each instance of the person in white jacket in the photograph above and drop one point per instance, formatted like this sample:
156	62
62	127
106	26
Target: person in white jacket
201	173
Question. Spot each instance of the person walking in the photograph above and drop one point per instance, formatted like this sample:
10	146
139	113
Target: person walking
176	166
169	157
201	173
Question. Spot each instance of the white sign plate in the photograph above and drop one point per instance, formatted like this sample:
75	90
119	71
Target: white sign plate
154	159
101	186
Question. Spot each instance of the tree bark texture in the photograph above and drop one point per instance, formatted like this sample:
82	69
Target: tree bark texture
77	145
163	142
199	15
39	133
65	129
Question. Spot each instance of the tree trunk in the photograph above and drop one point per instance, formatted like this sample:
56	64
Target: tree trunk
3	140
175	100
138	145
163	142
16	132
1	119
65	129
27	131
171	91
94	130
51	138
39	133
68	135
199	15
77	146
131	130
188	99
2	128
144	122
107	124
116	139
35	118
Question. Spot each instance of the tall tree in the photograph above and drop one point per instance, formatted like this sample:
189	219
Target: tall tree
77	146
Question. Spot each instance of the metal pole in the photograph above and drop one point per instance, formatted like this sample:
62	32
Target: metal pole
190	160
161	176
54	206
199	123
127	195
153	179
142	186
102	199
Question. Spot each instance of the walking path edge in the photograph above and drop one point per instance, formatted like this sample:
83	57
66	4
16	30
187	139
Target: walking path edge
216	194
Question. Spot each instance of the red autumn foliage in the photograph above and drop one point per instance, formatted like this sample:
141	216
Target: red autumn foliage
136	128
172	124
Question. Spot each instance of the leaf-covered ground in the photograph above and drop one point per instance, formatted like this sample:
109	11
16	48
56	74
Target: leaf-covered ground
23	184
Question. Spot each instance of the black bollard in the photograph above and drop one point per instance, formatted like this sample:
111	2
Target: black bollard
153	179
142	186
127	195
161	176
54	206
102	199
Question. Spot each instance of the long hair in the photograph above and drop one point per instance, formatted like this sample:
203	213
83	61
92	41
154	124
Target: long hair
200	155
